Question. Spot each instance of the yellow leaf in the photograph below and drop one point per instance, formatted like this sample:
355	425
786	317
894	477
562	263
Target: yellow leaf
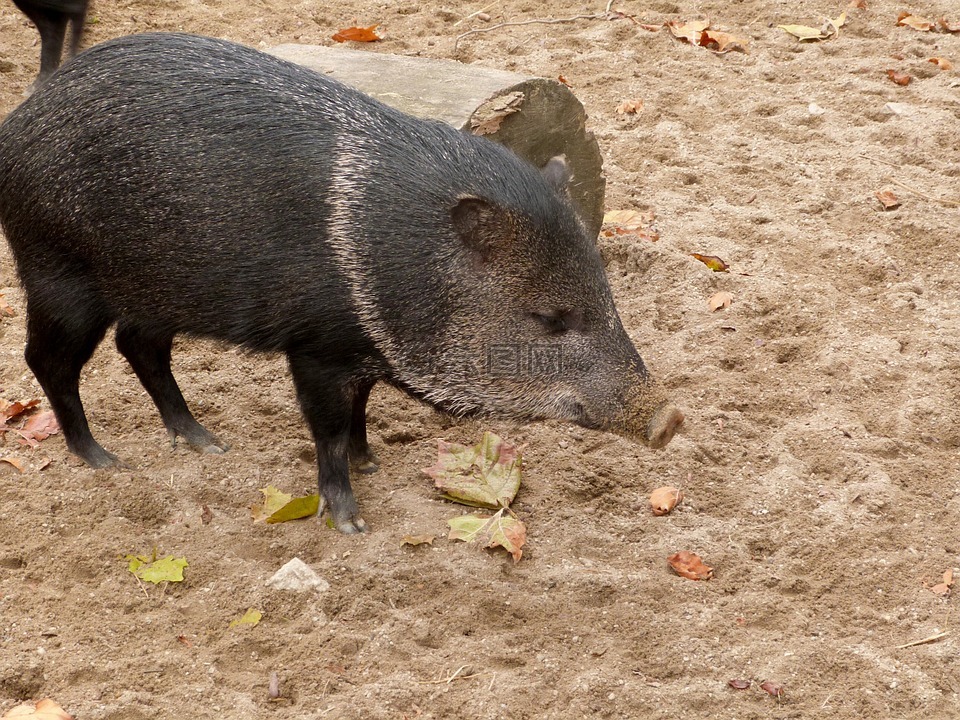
251	617
804	32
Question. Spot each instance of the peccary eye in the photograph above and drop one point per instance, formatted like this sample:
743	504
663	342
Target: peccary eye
560	321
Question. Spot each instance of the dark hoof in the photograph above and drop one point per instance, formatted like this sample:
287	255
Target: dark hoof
352	526
366	467
348	524
199	439
99	458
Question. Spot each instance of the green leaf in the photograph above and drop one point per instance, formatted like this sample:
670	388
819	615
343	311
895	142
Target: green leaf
490	531
484	475
168	569
278	506
251	617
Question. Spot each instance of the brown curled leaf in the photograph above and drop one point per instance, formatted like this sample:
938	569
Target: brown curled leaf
738	684
664	499
898	77
690	565
775	689
358	34
888	199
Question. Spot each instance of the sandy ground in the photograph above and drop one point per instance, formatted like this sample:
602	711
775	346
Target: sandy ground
821	457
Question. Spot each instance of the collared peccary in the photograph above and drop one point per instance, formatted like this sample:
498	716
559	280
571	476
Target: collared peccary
51	18
177	184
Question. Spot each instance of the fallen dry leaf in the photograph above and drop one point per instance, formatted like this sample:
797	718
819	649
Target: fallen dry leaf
739	684
888	199
950	27
38	428
649	27
720	301
916	22
690	565
358	34
721	42
773	688
712	262
898	77
664	499
631	222
43	710
943	588
561	79
940	62
805	33
688	31
8	410
630	107
417	540
14	462
5	309
858	4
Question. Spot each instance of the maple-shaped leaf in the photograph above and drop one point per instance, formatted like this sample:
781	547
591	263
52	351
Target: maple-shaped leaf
251	617
151	569
688	31
44	710
38	428
501	530
712	262
10	410
484	475
358	34
690	565
916	22
279	506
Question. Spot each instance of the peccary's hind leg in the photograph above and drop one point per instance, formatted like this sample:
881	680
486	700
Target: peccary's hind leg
76	29
61	337
362	458
149	356
326	398
52	26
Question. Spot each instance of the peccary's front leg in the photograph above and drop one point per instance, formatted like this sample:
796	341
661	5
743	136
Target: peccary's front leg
326	398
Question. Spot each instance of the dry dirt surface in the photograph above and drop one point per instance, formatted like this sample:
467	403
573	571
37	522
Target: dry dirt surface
820	458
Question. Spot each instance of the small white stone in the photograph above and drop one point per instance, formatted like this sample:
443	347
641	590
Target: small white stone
297	575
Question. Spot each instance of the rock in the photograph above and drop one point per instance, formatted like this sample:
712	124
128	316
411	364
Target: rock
297	575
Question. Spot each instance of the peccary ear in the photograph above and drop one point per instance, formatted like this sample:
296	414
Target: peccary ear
482	225
557	173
